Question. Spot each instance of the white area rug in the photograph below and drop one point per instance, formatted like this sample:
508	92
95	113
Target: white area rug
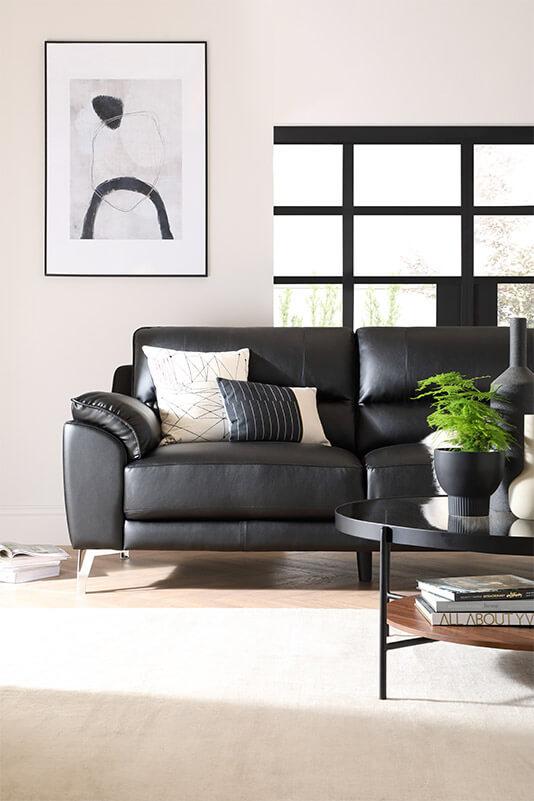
255	705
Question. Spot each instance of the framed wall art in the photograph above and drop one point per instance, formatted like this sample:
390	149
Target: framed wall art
126	158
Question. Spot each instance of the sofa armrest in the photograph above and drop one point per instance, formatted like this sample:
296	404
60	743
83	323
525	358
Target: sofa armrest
133	423
93	474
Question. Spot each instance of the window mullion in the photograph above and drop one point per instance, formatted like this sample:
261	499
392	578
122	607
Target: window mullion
348	236
467	189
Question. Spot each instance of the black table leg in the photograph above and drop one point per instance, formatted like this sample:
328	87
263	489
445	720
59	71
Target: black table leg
386	595
385	550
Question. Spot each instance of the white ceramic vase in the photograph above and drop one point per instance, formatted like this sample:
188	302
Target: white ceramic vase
521	491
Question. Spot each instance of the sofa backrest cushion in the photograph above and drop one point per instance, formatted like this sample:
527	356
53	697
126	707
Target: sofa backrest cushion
392	360
314	357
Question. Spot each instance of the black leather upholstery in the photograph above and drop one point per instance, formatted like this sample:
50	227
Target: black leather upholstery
239	535
392	360
135	424
401	471
241	481
93	469
314	357
123	379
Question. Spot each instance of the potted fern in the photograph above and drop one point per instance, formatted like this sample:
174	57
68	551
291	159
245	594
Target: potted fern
471	468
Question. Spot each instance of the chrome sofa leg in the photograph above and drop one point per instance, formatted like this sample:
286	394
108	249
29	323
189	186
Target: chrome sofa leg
85	563
86	557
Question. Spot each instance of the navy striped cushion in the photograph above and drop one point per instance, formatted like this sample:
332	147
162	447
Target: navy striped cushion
261	412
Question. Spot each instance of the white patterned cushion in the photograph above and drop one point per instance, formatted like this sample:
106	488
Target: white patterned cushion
190	404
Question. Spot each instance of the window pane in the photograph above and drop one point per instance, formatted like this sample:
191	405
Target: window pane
504	245
308	304
394	304
307	175
504	175
307	245
407	175
515	300
416	245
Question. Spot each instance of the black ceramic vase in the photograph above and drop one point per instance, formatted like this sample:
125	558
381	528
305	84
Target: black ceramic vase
469	479
516	386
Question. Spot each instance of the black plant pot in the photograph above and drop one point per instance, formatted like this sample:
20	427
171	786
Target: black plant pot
468	479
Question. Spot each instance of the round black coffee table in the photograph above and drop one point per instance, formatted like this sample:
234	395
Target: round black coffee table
425	523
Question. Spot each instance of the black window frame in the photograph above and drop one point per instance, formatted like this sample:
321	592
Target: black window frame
460	300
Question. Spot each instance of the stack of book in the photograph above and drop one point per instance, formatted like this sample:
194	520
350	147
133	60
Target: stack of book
477	601
21	563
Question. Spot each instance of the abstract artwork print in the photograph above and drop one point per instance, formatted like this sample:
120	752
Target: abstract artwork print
125	159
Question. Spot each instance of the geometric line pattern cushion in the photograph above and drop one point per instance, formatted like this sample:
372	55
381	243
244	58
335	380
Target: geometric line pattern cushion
189	402
177	367
267	412
194	413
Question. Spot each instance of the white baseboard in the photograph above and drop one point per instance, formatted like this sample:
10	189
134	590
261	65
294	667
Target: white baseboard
34	524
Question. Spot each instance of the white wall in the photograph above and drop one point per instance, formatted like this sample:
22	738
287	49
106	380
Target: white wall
404	62
270	62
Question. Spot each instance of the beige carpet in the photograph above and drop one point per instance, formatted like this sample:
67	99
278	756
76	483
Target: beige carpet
255	705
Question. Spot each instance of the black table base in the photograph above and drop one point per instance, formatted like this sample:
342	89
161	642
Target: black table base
385	596
424	523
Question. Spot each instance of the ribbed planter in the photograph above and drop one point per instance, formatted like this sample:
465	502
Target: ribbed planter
516	387
469	479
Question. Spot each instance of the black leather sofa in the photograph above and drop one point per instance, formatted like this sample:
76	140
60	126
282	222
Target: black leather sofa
124	493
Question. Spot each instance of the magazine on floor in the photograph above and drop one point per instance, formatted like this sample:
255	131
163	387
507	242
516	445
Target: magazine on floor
12	550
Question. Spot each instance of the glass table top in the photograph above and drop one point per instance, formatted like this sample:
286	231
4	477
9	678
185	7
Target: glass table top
425	522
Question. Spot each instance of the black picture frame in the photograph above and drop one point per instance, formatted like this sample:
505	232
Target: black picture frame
47	273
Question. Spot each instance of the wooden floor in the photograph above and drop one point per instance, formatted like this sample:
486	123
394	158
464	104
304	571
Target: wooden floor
269	580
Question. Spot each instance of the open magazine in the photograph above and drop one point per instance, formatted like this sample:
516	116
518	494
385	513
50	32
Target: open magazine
10	550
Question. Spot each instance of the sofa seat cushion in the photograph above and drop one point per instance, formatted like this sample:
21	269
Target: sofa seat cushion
241	481
398	471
